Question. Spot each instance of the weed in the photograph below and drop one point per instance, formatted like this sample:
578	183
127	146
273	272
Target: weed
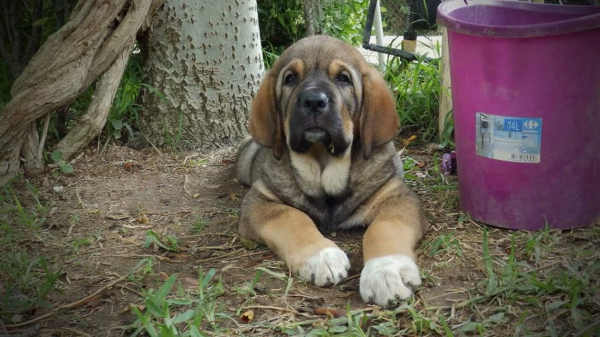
76	244
173	139
270	55
202	308
199	224
445	243
56	157
249	287
26	277
167	242
416	86
197	162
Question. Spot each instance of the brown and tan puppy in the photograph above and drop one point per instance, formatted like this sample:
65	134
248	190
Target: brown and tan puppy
321	158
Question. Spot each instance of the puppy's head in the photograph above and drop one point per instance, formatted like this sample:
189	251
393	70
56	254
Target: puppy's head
321	90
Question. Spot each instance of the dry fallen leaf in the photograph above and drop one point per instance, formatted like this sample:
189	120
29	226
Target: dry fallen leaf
409	140
233	197
247	316
119	216
143	219
227	161
336	313
189	282
16	318
140	307
96	302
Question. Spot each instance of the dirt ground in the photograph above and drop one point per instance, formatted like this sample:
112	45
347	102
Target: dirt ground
99	217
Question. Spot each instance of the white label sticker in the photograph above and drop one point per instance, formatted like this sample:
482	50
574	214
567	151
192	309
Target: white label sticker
515	139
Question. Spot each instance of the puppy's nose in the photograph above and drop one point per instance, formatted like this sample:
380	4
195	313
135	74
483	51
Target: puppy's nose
314	102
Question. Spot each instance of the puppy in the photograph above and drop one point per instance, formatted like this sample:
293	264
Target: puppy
321	158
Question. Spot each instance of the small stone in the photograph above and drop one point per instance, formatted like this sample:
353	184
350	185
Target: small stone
52	211
58	189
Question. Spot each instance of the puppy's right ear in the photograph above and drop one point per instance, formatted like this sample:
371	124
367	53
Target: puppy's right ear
266	126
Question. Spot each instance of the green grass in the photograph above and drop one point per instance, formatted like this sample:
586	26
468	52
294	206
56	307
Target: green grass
26	276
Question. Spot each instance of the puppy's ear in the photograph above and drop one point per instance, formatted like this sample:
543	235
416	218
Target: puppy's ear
379	122
265	123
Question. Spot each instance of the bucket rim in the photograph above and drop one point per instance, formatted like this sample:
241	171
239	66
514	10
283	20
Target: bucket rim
589	19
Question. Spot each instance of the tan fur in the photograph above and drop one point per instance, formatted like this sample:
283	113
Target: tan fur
265	125
397	227
290	233
379	121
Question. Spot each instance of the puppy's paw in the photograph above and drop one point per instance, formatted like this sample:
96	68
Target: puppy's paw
329	266
387	278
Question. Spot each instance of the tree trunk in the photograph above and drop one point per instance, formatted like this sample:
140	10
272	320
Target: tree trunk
68	62
205	57
91	123
310	7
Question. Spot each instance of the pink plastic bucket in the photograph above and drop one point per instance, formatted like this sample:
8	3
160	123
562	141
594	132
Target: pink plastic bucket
526	99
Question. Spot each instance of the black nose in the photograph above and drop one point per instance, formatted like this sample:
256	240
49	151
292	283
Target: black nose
314	102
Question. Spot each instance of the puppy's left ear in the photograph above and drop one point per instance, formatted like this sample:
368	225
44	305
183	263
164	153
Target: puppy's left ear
379	122
265	123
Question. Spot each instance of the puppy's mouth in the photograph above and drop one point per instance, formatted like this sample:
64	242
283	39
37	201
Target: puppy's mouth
316	135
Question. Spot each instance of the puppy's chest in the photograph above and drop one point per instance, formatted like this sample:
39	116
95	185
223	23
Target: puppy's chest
328	212
329	197
317	179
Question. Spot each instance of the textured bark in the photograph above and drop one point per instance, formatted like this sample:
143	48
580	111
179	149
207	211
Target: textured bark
91	123
206	58
309	16
70	60
32	163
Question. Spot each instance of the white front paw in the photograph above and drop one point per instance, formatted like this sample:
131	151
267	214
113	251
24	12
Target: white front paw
388	278
329	266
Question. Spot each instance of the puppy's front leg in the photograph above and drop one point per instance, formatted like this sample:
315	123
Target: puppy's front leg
390	271
293	236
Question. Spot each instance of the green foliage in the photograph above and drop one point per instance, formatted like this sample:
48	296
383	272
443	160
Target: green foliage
124	114
345	20
282	22
416	86
5	84
56	157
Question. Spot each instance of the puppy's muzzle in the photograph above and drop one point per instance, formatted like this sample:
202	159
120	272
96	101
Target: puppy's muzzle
313	102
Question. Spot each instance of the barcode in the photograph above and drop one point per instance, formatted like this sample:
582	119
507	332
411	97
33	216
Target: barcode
535	158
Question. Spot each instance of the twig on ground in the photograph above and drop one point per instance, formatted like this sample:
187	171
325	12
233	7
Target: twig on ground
79	201
152	144
68	306
272	308
587	328
29	332
62	329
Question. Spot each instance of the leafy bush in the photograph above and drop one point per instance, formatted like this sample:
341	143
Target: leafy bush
282	21
416	86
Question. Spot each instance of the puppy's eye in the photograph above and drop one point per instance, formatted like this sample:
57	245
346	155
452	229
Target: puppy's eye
289	79
343	78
